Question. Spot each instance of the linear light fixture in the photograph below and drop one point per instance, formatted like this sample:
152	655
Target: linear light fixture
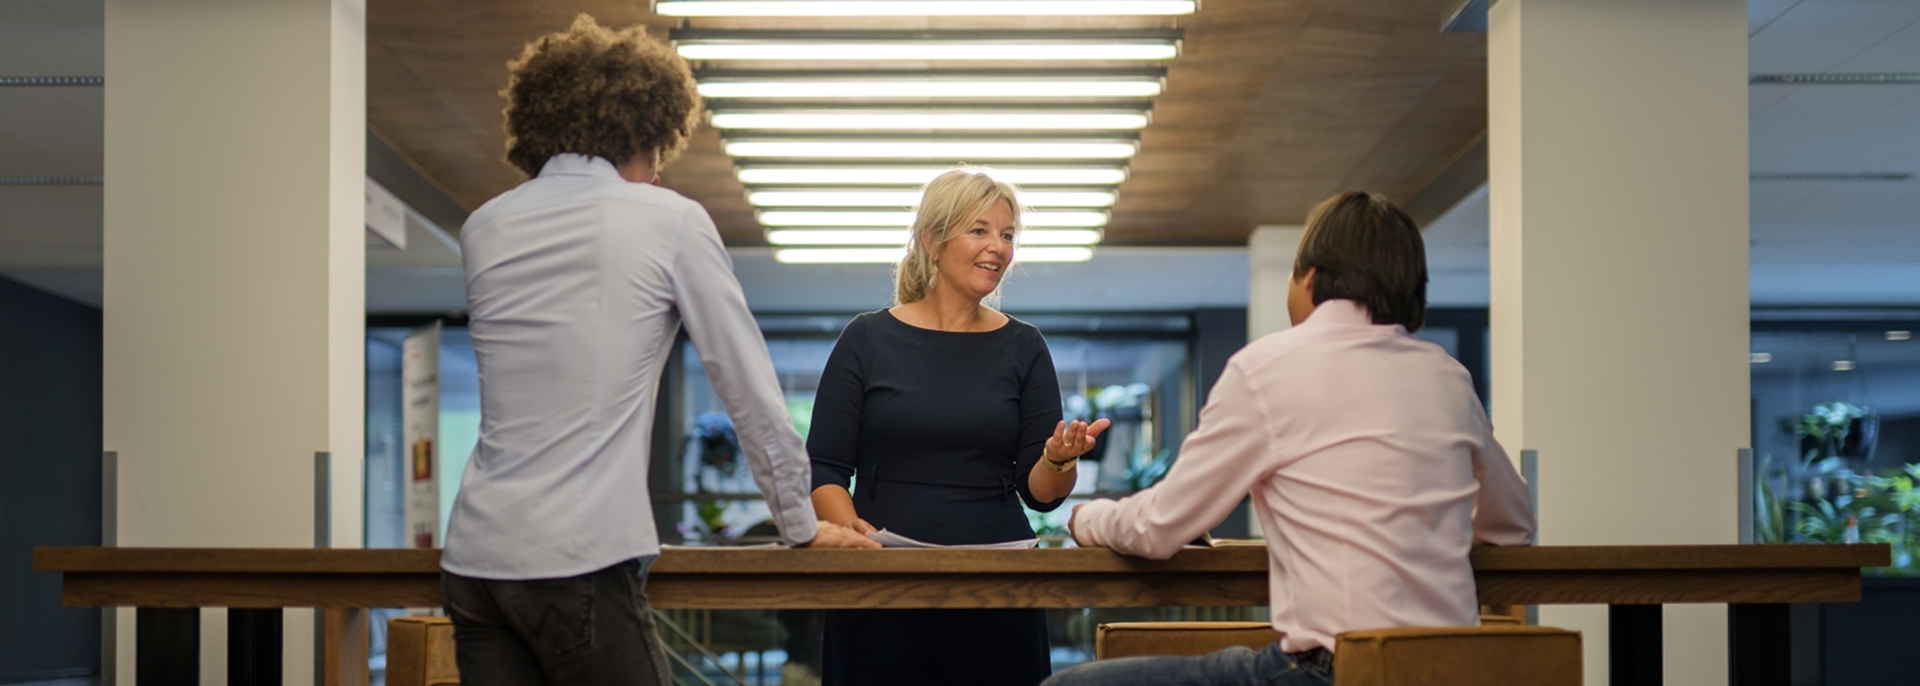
1830	176
920	8
896	237
1052	219
51	180
882	85
951	149
915	176
891	255
1835	79
923	120
969	46
53	80
908	198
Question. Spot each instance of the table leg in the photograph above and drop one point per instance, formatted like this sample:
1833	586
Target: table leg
1633	637
254	646
1759	644
344	655
166	646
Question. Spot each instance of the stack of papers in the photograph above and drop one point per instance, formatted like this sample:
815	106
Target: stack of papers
888	539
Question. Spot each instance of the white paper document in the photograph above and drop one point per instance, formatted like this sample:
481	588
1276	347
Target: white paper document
888	539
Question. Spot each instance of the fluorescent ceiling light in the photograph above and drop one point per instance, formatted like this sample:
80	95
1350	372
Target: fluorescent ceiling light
1053	254
897	237
929	50
880	88
883	198
828	120
931	149
915	176
919	8
1069	219
889	237
839	255
891	255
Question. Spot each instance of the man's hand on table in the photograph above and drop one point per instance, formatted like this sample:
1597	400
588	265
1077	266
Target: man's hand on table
1072	532
831	535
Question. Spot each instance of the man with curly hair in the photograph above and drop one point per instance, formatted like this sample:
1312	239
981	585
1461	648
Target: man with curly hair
577	281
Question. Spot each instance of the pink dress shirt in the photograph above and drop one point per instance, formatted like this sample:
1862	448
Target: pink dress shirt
1372	468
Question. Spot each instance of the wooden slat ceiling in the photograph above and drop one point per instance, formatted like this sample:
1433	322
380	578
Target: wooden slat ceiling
1271	106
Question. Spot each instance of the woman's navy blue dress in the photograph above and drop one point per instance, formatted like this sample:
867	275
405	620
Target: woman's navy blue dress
935	432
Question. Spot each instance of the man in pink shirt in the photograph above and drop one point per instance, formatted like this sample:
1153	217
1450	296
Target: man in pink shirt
1370	460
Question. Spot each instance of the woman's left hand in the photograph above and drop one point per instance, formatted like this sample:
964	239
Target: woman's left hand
1071	440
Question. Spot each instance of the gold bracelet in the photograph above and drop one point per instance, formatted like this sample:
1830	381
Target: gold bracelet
1057	467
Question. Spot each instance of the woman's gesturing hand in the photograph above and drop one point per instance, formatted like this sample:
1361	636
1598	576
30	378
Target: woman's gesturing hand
1071	440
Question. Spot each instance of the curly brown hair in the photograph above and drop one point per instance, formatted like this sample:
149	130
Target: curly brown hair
598	91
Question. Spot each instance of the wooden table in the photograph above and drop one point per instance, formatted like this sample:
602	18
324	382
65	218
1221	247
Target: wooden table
168	585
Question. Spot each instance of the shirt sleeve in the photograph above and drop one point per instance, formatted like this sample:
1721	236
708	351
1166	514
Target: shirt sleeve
833	440
729	343
1039	413
1219	462
1503	508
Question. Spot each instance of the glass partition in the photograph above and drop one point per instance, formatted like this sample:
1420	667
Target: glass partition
1836	423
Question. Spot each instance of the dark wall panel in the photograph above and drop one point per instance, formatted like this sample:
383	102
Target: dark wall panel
50	437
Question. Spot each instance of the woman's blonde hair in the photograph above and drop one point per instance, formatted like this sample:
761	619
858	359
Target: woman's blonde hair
949	200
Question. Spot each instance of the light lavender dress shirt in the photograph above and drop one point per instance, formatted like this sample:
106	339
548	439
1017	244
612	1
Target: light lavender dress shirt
577	282
1372	468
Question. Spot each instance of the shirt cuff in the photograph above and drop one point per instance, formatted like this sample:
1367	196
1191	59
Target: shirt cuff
1087	521
800	532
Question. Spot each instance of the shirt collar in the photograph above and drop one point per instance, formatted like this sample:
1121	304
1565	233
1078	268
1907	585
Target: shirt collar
1341	313
575	164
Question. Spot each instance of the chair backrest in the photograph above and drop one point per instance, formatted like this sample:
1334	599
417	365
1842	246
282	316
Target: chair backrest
1133	639
420	652
1458	656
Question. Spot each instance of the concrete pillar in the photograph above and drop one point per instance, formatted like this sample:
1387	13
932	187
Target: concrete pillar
1270	252
1618	152
234	281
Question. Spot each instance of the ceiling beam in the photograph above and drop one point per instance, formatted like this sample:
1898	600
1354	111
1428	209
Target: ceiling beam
1467	172
404	179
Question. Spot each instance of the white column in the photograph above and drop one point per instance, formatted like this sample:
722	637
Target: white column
1618	151
235	271
1270	252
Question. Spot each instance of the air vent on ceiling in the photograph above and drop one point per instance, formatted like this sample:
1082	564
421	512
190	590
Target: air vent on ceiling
1830	176
53	80
50	180
1836	79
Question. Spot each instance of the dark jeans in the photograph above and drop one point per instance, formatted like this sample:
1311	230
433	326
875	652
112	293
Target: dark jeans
1235	666
590	629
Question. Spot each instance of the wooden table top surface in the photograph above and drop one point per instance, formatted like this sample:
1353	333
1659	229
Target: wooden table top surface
717	560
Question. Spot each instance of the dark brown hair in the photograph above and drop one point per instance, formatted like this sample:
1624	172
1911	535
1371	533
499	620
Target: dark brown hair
1366	249
597	91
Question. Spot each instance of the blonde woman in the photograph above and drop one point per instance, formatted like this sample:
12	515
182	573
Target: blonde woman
936	418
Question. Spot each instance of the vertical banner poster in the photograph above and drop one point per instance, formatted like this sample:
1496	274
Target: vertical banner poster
420	430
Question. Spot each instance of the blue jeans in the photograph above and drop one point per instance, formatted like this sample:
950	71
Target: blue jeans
1236	666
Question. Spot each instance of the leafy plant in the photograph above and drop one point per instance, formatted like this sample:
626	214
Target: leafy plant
1828	425
1145	474
1769	512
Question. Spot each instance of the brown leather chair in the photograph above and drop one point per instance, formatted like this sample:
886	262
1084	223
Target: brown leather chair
420	652
1499	653
1134	639
1458	656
